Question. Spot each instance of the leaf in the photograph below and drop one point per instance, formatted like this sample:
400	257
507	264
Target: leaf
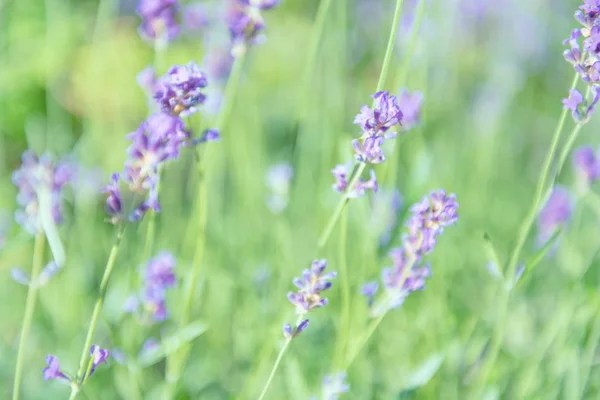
171	344
423	373
539	256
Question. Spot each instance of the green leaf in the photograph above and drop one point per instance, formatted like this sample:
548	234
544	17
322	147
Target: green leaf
171	344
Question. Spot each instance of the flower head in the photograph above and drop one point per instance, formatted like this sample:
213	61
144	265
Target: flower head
52	371
556	212
158	20
179	91
408	272
245	21
582	109
341	173
587	165
410	106
384	114
40	182
98	356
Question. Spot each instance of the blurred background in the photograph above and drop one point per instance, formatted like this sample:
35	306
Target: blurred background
492	76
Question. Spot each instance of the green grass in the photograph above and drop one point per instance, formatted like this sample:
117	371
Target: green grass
491	104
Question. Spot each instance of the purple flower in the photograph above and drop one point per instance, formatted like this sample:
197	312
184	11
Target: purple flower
369	290
587	165
428	219
158	20
158	276
341	173
52	371
156	140
195	17
278	180
98	356
290	332
408	273
179	91
369	151
245	21
556	212
114	202
581	109
384	115
40	182
310	285
334	386
410	106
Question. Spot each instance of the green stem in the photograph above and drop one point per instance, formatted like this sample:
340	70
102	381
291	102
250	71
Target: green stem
509	274
96	313
176	362
361	166
278	361
342	341
274	369
567	149
589	353
364	339
38	256
414	38
311	57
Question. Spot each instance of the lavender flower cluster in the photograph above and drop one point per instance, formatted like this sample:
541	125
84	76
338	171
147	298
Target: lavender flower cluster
159	276
408	272
584	55
98	356
313	282
246	22
376	123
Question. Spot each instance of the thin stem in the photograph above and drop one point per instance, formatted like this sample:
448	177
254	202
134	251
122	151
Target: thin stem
414	37
380	83
364	339
342	341
38	256
312	55
274	369
112	257
589	353
176	362
528	221
567	149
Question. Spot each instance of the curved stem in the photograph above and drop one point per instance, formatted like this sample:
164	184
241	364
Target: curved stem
38	256
528	221
342	341
361	166
274	369
176	362
364	339
96	313
567	149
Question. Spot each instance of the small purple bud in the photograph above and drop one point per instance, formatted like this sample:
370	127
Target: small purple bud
301	327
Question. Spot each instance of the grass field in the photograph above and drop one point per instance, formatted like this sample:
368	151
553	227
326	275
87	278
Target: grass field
244	215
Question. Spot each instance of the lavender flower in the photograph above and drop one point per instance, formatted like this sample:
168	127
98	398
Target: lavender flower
195	17
98	356
40	182
556	212
587	165
314	281
369	290
581	110
156	140
375	123
158	277
408	273
158	20
179	91
584	55
341	173
114	202
334	386
52	371
278	179
290	332
246	23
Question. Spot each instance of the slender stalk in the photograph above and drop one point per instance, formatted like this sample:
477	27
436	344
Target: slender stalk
342	341
176	362
38	256
524	229
567	149
112	257
274	369
412	44
361	166
364	339
589	353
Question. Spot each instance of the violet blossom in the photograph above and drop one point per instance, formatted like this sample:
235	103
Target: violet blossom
53	371
341	173
158	20
179	91
246	23
587	166
555	213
